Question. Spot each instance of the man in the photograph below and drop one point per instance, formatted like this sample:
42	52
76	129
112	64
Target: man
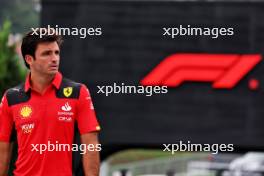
42	112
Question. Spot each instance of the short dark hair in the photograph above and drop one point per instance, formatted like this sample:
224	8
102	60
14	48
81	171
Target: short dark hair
32	39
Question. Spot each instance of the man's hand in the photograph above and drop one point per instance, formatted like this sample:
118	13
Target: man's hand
91	159
5	155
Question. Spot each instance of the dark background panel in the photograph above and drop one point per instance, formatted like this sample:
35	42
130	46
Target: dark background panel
132	44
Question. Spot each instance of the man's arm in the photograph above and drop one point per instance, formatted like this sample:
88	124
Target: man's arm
91	159
5	155
6	126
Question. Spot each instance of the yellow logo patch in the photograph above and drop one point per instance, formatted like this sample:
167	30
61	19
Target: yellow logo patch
26	111
67	91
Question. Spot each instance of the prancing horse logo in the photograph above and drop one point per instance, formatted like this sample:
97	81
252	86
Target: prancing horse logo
67	91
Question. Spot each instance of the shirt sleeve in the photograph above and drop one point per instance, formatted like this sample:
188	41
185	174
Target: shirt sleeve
6	121
86	117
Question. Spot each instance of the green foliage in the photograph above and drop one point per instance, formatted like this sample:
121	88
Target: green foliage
22	14
11	70
134	155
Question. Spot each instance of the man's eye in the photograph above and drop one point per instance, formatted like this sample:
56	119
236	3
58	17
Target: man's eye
46	53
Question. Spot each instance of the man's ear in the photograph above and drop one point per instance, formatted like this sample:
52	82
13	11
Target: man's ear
29	59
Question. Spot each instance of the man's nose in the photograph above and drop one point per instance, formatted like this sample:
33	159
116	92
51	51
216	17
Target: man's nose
55	57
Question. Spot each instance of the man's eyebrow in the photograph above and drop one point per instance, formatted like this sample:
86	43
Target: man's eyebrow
48	51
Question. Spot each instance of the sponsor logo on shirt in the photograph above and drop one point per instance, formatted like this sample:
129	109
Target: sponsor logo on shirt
66	107
25	112
67	91
65	119
16	89
27	128
66	114
88	98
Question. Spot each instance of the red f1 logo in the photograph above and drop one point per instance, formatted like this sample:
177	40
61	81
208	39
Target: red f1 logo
223	70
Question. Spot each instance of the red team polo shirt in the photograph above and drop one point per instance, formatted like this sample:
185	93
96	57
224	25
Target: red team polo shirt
39	119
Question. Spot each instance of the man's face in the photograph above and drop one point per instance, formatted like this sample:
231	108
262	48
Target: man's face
47	59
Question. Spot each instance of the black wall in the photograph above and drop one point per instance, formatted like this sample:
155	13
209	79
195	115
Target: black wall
132	44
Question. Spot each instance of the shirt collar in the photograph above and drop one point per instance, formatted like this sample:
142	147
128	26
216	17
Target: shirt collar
56	81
